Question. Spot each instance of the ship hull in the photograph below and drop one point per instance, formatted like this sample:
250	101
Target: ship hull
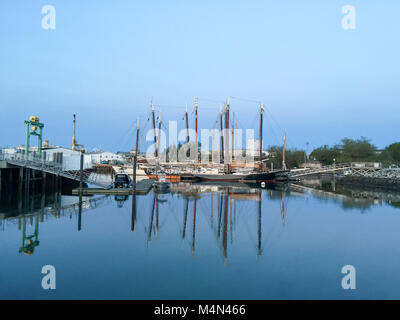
266	177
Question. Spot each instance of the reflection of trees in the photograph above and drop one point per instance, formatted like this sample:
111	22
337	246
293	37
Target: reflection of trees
348	197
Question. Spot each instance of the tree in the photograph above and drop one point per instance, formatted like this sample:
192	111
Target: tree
357	150
294	158
325	154
391	154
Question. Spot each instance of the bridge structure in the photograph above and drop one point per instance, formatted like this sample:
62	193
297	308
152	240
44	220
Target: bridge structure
35	163
350	169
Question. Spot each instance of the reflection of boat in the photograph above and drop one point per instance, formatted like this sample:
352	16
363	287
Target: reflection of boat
122	179
120	199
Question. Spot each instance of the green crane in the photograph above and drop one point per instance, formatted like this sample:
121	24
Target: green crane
35	124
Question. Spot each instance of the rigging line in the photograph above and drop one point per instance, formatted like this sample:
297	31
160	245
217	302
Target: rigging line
273	132
125	134
273	118
247	100
211	100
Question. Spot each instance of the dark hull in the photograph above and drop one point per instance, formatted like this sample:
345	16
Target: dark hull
266	177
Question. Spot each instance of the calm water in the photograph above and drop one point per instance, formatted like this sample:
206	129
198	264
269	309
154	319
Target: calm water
203	243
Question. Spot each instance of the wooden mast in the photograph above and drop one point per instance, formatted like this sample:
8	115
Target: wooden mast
197	140
261	136
187	125
159	133
222	136
154	128
283	153
233	135
226	158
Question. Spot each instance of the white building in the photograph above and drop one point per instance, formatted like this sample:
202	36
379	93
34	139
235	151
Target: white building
70	159
105	156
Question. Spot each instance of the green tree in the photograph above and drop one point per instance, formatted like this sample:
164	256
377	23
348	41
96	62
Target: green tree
294	158
357	150
326	154
391	154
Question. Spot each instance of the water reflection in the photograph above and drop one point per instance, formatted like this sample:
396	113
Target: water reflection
218	202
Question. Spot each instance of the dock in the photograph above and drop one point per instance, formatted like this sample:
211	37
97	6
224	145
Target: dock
142	188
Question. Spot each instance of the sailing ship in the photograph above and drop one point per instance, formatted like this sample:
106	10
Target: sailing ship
262	175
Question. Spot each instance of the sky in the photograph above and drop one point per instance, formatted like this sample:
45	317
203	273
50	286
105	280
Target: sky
106	60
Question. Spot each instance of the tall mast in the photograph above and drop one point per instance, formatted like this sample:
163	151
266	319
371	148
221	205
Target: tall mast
154	128
226	158
283	153
233	135
261	137
73	134
159	133
197	141
222	135
187	125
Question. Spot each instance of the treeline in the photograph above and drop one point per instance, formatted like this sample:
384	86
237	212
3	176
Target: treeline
360	150
348	150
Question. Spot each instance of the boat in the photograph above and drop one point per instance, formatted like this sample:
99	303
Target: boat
122	180
161	185
260	176
255	177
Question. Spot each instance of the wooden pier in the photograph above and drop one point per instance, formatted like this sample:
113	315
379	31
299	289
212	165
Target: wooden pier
142	188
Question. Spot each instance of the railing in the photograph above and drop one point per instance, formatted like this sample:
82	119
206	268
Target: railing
352	166
36	163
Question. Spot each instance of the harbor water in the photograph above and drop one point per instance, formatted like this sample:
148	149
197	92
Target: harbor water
202	242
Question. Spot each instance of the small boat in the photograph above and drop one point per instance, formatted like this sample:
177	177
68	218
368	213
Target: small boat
122	180
162	185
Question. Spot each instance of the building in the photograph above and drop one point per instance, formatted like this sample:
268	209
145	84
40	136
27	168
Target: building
70	159
106	157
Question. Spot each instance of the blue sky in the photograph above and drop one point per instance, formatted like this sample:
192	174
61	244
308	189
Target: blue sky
106	60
